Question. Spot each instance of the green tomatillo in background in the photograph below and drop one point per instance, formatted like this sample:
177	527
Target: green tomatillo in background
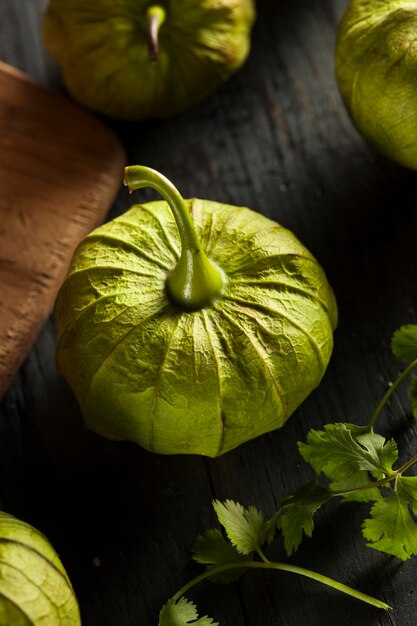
376	67
34	587
191	326
135	59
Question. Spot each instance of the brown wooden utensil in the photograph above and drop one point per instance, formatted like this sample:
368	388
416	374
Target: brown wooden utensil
60	168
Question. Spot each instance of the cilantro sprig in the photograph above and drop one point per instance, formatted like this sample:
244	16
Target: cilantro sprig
358	464
352	463
227	558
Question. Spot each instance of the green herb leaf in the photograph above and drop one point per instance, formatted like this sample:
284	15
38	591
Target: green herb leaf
413	395
404	343
296	514
244	527
407	486
212	549
380	453
391	528
345	453
182	613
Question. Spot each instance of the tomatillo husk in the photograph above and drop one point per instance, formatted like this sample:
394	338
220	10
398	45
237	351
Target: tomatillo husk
191	326
135	59
376	68
34	587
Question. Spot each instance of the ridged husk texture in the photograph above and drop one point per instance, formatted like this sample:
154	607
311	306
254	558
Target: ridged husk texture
376	67
34	587
197	382
102	47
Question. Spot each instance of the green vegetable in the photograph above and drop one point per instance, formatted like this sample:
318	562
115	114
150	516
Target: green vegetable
134	59
358	465
34	587
227	560
376	68
192	326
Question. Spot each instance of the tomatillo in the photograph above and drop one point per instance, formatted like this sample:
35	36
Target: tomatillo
191	326
34	587
135	59
376	68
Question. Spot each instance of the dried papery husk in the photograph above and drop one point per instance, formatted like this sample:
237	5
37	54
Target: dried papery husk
376	68
137	59
202	381
34	587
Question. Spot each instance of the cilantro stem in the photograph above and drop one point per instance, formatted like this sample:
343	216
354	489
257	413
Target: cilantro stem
285	567
407	465
370	485
262	555
376	483
390	391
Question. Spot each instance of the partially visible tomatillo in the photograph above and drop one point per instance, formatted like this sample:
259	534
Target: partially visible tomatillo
191	326
135	59
34	586
376	67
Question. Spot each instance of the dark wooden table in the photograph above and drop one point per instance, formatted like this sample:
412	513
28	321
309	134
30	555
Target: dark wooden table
275	138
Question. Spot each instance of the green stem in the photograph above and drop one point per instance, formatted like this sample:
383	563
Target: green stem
196	280
285	567
390	391
155	17
371	485
376	483
273	522
262	555
407	465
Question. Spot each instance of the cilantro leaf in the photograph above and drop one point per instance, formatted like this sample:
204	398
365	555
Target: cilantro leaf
391	527
212	549
380	453
404	343
296	514
244	527
182	613
413	395
408	488
342	451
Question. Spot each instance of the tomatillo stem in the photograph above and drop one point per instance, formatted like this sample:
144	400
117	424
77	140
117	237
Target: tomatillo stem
155	17
196	280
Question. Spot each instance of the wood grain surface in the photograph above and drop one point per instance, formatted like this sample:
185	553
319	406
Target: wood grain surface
276	138
60	169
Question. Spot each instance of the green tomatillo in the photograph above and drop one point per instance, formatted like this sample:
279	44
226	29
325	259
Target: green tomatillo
376	68
136	59
191	326
34	587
